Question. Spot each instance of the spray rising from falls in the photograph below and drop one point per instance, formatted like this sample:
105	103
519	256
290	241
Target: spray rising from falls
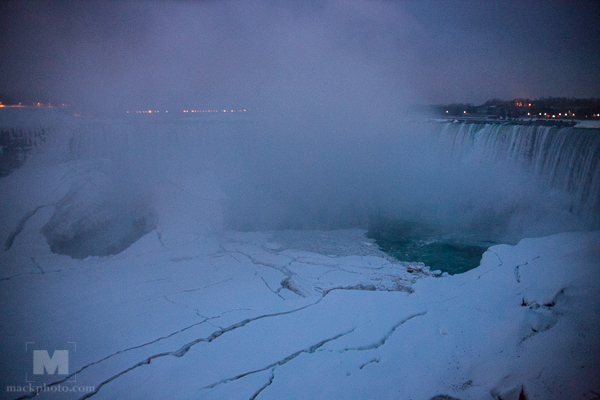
499	183
557	169
563	160
496	182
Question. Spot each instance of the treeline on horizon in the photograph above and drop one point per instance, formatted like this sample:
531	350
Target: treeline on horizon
553	107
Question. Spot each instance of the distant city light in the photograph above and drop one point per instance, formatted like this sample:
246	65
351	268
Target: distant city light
166	111
464	112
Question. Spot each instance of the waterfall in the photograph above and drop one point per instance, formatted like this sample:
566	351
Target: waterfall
563	159
556	168
496	182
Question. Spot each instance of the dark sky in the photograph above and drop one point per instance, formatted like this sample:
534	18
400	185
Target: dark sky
112	56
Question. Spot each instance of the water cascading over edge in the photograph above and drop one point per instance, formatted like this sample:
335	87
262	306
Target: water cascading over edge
563	159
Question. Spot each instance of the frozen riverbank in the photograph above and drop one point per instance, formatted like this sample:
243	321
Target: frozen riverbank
313	314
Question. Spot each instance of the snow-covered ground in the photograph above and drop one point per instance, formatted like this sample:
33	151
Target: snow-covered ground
192	311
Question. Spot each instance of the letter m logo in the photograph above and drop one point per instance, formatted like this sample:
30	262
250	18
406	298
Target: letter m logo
59	361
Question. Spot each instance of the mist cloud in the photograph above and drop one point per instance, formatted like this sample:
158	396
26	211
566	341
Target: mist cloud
112	56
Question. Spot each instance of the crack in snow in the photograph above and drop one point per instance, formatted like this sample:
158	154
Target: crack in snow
375	360
177	353
8	278
202	287
197	311
281	362
285	284
150	281
33	394
269	287
371	288
20	226
491	269
282	269
255	395
289	284
56	271
518	273
387	336
325	273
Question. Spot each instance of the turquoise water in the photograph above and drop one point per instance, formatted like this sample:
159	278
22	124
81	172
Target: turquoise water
410	241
